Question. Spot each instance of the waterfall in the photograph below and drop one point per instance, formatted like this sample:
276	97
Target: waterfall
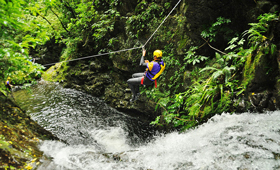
99	137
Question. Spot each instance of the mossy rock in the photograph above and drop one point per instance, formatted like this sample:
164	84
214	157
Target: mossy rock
55	72
19	137
260	71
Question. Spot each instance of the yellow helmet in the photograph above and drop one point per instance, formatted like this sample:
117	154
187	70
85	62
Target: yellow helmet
158	53
9	78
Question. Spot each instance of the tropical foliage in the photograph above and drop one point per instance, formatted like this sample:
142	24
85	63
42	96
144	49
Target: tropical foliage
213	86
185	97
16	38
194	86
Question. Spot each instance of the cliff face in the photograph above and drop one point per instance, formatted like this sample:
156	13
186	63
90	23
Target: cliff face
106	76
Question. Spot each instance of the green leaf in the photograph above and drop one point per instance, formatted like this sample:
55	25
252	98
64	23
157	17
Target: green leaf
208	68
233	40
164	101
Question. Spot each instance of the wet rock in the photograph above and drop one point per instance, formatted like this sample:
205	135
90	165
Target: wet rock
115	95
19	137
97	66
264	101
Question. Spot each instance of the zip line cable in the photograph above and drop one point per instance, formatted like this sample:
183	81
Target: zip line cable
94	56
162	23
124	49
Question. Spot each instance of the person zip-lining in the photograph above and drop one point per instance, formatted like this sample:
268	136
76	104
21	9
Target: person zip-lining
153	71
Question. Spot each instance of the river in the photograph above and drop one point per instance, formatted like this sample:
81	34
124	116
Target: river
95	136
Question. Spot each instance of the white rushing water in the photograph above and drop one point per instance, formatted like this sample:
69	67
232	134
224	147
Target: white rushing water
98	137
247	141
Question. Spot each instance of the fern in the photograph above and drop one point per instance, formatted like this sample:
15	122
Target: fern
209	94
216	27
192	58
257	30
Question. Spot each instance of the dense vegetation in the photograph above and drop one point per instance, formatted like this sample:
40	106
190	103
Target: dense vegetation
19	32
200	80
91	27
220	80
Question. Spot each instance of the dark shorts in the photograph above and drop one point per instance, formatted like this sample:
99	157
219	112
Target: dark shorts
137	78
135	82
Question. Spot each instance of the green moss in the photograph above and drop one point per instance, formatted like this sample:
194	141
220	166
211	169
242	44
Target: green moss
250	67
247	73
182	43
19	137
56	72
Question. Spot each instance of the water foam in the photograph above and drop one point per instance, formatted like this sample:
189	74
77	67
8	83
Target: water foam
99	137
245	141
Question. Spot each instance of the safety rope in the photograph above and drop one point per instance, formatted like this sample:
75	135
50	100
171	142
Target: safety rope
124	49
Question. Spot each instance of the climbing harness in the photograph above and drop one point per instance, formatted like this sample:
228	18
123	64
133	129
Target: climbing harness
124	49
142	81
155	76
162	67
